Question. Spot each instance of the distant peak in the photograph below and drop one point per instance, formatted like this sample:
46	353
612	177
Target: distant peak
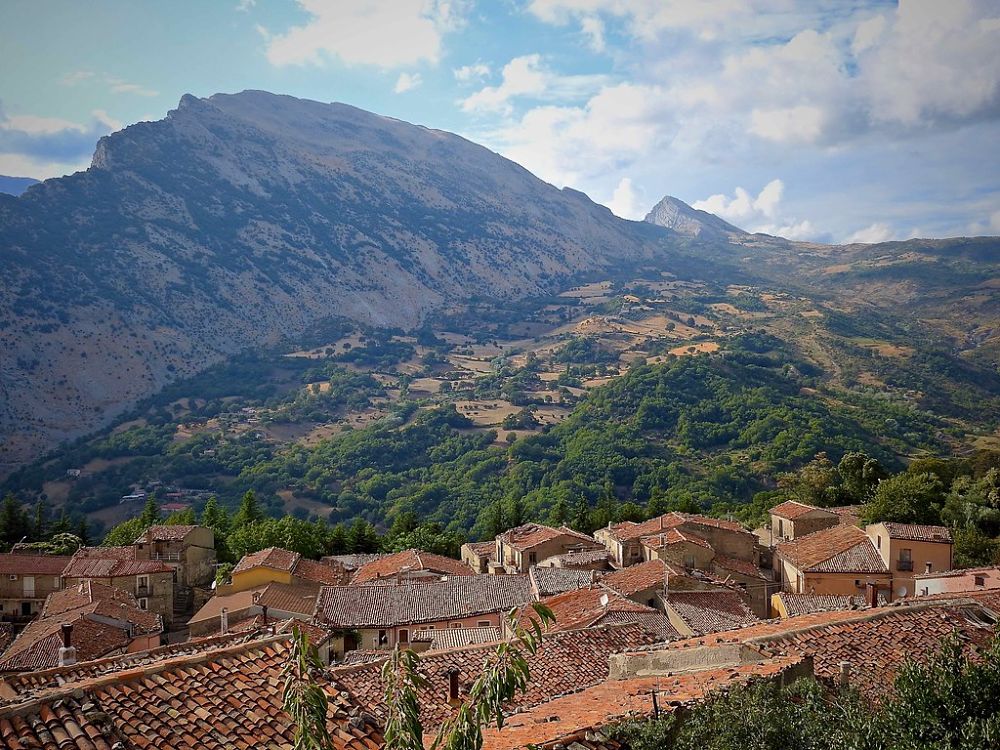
675	214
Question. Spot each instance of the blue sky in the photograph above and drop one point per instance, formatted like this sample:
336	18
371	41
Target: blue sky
828	120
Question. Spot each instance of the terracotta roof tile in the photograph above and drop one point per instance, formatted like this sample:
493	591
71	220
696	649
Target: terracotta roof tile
548	581
450	638
628	530
585	607
228	698
918	533
564	663
483	549
33	565
321	573
411	560
532	534
176	533
655	623
802	604
583	558
711	611
278	597
671	537
792	509
724	564
839	549
111	562
272	557
388	604
635	578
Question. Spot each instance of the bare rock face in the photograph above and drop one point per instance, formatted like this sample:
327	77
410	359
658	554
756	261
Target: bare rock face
673	213
241	219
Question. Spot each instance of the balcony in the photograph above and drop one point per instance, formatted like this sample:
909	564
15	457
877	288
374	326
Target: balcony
142	590
166	556
904	564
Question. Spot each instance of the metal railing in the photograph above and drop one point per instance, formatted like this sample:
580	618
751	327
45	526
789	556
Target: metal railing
904	565
167	556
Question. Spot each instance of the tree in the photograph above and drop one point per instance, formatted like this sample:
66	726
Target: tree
906	498
303	699
859	474
14	524
40	522
813	484
362	537
125	533
249	511
184	517
215	517
150	512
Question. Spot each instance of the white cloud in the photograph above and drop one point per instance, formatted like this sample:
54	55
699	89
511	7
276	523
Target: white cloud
119	86
743	206
43	147
244	6
564	144
77	77
115	85
593	29
803	123
877	232
474	72
528	77
627	202
647	18
382	33
796	230
868	34
407	82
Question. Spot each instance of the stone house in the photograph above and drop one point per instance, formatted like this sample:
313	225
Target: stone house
518	549
188	550
907	549
151	582
793	519
26	581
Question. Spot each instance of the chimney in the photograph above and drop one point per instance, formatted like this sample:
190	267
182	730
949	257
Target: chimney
872	597
928	566
224	621
263	614
452	686
661	523
67	654
845	674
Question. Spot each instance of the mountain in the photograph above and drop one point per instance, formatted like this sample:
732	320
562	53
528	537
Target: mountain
673	213
241	219
15	185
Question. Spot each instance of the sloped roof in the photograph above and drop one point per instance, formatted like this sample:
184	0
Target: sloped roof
711	611
280	597
802	604
410	560
628	530
918	532
532	534
585	607
635	578
735	565
449	638
295	564
390	604
33	565
482	549
671	537
582	557
564	663
793	509
839	549
175	533
111	562
229	698
548	581
655	623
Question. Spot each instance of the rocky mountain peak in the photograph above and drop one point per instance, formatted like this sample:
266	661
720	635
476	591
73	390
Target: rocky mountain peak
675	214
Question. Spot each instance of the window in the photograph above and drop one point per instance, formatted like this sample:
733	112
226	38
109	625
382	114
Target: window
456	625
980	581
878	540
57	583
781	528
483	624
383	638
906	555
13	576
144	603
532	558
404	636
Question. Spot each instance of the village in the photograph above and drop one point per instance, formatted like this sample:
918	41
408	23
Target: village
139	642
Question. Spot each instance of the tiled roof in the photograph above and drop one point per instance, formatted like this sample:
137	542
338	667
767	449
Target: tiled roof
165	534
743	567
228	698
653	622
411	560
918	533
482	549
988	571
111	562
583	557
802	604
635	578
321	573
449	638
711	611
351	562
557	722
585	607
272	557
280	597
673	536
88	607
407	602
847	513
19	686
628	530
548	581
564	663
532	534
877	642
33	565
840	549
792	509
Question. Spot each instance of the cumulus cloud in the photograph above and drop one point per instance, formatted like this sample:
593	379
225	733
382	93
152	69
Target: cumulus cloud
877	232
647	18
48	146
743	206
627	201
593	29
469	73
528	77
407	82
244	6
115	85
381	33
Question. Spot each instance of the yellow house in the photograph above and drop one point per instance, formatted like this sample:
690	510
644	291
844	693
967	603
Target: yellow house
841	560
276	565
911	549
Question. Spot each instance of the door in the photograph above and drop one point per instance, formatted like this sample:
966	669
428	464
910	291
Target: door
29	586
26	609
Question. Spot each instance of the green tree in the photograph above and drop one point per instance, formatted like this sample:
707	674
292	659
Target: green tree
14	525
249	511
906	498
815	483
40	521
125	533
215	517
150	512
859	474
